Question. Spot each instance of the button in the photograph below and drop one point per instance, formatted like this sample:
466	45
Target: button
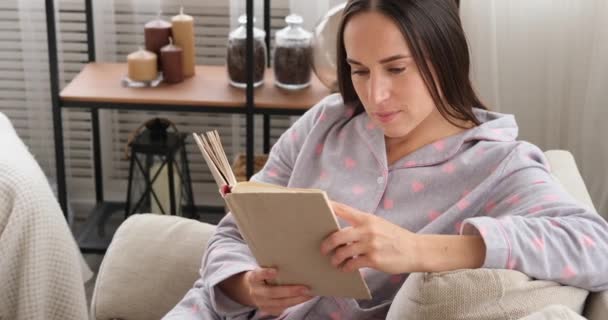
380	180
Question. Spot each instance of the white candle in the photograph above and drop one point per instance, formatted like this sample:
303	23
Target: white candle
183	36
142	65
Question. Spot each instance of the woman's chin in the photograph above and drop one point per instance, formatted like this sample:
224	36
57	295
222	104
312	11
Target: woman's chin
396	133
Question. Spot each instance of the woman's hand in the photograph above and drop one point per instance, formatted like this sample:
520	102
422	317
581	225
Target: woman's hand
273	299
370	242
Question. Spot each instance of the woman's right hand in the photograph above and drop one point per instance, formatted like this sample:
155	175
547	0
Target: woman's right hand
269	298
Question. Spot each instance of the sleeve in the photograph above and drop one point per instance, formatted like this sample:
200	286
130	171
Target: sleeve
533	225
227	252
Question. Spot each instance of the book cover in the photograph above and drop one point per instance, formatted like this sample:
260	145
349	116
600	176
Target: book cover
284	227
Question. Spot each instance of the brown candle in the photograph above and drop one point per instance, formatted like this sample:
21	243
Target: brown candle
172	63
157	33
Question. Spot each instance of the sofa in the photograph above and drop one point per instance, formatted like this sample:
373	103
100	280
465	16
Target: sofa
153	260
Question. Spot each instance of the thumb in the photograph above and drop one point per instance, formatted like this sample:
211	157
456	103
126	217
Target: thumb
351	215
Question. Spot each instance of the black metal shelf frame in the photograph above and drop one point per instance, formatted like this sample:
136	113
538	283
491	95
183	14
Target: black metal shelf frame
103	208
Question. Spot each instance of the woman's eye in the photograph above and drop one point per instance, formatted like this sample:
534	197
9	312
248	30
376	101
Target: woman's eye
359	72
396	70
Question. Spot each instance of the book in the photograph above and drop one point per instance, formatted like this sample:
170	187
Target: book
283	227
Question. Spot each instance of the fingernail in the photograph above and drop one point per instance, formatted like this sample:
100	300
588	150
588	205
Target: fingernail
304	292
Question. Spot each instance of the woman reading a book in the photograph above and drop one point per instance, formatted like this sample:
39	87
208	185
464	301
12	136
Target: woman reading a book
423	178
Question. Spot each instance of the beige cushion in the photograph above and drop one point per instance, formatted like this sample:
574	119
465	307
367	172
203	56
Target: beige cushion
479	294
565	170
152	262
554	312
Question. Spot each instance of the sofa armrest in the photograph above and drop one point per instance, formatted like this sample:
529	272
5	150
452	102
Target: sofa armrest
596	307
563	167
565	170
150	264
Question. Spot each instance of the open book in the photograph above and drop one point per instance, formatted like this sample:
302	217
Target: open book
284	227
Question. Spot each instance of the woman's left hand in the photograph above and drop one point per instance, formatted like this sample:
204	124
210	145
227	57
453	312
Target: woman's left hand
370	241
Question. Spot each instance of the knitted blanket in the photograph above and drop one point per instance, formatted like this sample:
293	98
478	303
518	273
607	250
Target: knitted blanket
42	272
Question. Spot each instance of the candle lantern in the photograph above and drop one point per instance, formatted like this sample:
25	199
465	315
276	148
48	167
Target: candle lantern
159	177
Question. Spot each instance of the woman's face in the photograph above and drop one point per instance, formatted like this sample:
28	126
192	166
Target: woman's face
385	76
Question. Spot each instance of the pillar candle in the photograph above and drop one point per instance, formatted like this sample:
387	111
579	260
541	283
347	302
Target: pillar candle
156	34
183	36
172	64
142	65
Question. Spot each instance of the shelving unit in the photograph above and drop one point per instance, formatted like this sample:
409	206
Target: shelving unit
97	87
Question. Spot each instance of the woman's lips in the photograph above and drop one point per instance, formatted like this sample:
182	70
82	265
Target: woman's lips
386	117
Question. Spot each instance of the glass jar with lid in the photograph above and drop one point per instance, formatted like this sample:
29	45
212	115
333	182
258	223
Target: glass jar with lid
237	55
292	55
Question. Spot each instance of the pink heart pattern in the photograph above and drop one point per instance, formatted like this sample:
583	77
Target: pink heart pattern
463	204
587	241
409	164
417	186
388	204
323	116
511	264
513	200
272	173
323	175
434	214
294	136
448	168
439	145
539	243
358	190
349	163
490	206
568	273
319	149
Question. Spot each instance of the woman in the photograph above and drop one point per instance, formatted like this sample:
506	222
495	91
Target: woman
424	178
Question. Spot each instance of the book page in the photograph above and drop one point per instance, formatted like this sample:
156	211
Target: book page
255	187
215	171
216	143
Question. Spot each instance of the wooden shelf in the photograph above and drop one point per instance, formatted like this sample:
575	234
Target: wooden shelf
101	82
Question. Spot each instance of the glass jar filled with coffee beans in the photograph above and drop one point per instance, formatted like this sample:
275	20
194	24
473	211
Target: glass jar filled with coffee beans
237	55
292	55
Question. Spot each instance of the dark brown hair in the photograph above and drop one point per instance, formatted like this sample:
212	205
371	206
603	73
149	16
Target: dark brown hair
434	34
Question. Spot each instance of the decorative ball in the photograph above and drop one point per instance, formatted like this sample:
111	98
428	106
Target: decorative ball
324	43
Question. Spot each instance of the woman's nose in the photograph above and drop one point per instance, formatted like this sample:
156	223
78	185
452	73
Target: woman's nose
379	89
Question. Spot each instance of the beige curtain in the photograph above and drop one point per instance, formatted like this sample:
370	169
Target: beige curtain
546	61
